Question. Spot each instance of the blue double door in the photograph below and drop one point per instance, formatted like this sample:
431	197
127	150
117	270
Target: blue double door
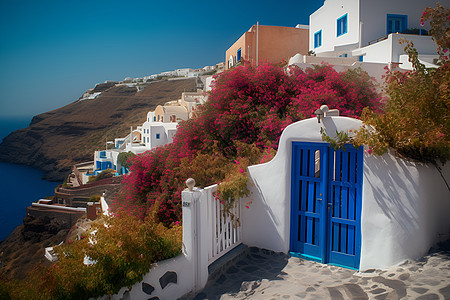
326	193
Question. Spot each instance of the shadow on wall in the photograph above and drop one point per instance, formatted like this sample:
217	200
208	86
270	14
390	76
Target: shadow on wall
405	209
259	209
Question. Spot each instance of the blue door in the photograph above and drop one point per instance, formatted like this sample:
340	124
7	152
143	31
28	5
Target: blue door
326	195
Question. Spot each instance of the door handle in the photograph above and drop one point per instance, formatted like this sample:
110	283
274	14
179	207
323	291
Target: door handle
319	199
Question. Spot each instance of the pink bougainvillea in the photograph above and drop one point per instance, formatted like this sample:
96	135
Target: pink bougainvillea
247	106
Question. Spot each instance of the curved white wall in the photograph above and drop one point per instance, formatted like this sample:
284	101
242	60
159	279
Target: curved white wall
266	223
405	210
405	205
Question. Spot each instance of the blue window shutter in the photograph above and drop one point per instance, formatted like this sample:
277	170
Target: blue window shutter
396	23
318	39
238	58
342	25
361	58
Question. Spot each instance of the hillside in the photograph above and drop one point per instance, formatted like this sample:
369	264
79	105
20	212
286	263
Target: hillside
57	139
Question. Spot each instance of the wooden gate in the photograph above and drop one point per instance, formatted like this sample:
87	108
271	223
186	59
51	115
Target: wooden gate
326	195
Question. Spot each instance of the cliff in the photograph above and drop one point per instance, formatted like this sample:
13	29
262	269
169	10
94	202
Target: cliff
56	140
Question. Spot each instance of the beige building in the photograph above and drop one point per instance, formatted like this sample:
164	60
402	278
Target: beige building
273	44
170	114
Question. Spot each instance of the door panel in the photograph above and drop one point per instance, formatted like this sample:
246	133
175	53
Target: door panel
326	203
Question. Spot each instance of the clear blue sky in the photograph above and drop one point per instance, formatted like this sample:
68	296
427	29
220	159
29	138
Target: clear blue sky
51	51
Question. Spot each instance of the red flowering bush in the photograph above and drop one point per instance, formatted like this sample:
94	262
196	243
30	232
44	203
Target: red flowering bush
242	121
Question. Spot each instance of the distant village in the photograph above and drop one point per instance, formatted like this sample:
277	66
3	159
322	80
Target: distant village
158	129
341	35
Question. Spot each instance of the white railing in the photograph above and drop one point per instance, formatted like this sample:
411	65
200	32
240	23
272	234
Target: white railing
224	226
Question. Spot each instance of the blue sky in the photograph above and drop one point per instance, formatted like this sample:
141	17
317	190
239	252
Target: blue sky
53	51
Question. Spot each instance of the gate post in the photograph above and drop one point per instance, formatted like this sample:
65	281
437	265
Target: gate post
194	241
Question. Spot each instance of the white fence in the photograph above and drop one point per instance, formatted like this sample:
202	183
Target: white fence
209	232
225	227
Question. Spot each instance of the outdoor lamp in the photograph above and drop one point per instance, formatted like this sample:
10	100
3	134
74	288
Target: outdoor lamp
320	112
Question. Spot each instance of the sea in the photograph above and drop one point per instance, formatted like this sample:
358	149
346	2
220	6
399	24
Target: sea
19	185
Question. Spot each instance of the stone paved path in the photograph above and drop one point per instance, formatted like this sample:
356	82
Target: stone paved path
263	274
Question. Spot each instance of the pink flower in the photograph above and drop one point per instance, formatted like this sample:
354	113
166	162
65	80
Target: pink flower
241	170
247	206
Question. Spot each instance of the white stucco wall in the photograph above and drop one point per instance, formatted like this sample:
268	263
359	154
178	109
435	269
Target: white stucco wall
406	210
325	19
405	206
390	50
374	16
266	223
367	21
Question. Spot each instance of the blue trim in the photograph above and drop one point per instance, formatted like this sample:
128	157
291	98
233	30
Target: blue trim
403	19
342	24
318	39
238	55
305	256
158	136
342	266
361	58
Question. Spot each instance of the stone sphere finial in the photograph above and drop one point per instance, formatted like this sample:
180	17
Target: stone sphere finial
190	183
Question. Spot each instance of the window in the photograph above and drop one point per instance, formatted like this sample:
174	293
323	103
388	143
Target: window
396	23
361	58
342	25
318	39
238	58
158	136
154	118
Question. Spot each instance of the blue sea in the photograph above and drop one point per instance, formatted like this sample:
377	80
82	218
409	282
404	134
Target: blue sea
20	185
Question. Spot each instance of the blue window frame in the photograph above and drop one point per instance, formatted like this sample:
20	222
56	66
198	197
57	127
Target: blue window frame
396	23
318	39
158	136
238	55
361	58
342	25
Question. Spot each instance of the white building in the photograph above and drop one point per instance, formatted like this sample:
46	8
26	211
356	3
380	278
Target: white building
183	72
370	30
157	133
190	100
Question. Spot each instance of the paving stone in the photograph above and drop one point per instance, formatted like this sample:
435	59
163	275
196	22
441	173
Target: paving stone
404	276
445	291
397	285
335	294
428	297
378	291
382	296
356	291
221	279
232	270
264	274
419	290
250	269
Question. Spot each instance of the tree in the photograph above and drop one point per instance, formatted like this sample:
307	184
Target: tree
416	120
124	159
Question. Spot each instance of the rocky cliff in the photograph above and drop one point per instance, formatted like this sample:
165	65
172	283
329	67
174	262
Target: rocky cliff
56	140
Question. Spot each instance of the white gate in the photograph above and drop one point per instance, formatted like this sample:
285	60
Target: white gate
224	228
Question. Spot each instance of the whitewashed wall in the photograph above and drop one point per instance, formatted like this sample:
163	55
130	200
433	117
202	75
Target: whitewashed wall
390	50
367	20
373	15
266	224
406	210
325	19
405	206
